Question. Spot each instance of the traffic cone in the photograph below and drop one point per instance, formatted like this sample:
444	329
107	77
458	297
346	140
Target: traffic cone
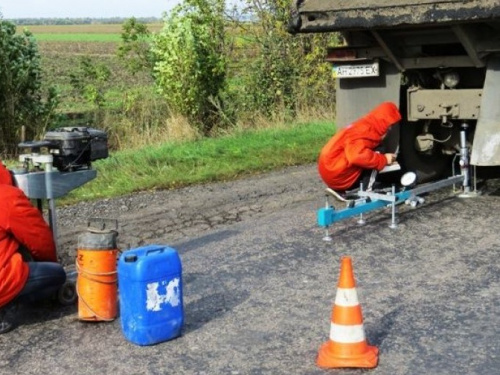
347	346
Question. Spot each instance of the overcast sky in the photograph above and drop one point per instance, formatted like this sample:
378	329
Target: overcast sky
84	8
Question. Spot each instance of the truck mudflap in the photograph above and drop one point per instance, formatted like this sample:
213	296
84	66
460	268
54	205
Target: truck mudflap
357	96
486	145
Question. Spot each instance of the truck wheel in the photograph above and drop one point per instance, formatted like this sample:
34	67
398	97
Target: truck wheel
429	165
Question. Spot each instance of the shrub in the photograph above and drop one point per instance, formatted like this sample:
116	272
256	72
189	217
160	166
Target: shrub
190	61
22	105
135	49
286	74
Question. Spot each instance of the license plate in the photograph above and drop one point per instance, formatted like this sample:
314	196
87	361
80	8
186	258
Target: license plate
356	71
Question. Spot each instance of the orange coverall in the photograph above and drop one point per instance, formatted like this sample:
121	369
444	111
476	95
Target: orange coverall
20	224
351	150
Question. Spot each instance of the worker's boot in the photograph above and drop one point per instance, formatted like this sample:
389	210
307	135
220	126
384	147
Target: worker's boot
7	318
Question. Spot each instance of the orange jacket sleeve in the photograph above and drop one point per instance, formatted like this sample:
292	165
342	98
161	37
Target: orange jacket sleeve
28	226
360	154
5	176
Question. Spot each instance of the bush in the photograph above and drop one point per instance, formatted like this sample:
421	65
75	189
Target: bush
21	102
190	61
286	74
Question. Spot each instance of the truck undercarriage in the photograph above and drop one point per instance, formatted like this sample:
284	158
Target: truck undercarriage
439	60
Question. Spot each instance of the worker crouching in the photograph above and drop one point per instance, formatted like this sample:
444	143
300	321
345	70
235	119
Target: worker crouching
350	155
28	263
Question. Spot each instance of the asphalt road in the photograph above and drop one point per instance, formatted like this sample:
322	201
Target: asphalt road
259	284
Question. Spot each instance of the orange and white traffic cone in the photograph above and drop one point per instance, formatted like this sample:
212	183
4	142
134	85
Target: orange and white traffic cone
347	346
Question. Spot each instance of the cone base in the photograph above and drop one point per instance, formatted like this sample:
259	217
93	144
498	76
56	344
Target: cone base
329	358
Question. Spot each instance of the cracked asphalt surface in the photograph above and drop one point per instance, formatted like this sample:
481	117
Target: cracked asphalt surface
259	283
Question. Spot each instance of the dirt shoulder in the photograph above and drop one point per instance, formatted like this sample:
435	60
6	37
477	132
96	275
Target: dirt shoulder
169	215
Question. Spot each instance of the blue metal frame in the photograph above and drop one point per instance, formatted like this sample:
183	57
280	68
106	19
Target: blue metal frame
326	216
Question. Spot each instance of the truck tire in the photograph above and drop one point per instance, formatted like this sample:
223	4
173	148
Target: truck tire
428	166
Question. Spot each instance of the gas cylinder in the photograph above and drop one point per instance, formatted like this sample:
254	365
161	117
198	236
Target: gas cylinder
96	264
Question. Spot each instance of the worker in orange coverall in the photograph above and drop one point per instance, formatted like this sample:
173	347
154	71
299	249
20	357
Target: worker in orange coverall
347	157
28	264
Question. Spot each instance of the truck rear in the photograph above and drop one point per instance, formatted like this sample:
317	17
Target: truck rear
438	60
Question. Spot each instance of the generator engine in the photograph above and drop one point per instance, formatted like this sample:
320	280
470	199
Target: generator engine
72	148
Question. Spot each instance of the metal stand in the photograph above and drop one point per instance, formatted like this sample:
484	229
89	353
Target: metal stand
39	180
465	168
393	224
361	220
327	237
50	198
369	201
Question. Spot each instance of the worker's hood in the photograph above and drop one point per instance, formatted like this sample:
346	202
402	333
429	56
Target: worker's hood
381	118
5	176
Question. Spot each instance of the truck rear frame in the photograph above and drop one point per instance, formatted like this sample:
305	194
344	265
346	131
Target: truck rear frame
439	60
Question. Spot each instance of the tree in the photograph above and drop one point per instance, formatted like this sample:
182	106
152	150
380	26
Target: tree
287	73
90	80
190	61
21	102
135	49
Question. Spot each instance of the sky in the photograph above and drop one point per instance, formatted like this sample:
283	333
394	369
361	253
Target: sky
84	8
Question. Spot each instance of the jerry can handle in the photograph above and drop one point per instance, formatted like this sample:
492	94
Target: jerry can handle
157	250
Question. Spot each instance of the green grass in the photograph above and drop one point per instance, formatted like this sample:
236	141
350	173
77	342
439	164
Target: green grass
77	37
174	165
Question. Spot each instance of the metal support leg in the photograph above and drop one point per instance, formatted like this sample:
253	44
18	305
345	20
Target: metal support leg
51	202
361	220
393	224
464	158
327	237
474	178
373	177
464	164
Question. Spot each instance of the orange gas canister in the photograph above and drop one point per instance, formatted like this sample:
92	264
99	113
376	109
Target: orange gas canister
96	264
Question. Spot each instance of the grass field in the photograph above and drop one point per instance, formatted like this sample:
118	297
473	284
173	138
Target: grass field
77	37
176	164
62	47
84	29
81	33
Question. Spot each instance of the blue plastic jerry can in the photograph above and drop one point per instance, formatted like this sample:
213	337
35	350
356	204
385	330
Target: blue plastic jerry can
150	292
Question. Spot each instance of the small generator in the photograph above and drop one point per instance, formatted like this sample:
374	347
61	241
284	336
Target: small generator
72	148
